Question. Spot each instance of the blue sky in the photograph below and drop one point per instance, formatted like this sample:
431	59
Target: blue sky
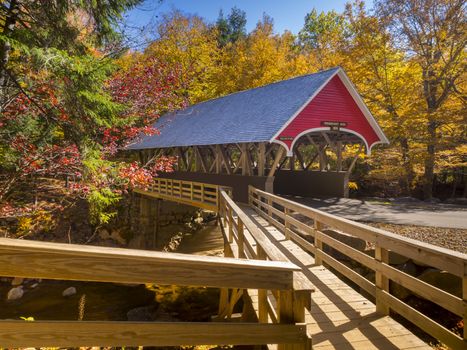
287	14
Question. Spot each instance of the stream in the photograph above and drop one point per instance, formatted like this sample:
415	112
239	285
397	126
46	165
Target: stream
110	301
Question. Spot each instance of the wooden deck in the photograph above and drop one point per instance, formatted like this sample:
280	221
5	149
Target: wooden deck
339	317
338	314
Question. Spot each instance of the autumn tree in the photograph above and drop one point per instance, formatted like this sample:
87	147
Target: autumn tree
232	27
190	44
67	106
323	38
434	34
260	58
387	80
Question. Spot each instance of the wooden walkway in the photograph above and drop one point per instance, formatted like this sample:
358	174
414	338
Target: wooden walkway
337	314
339	317
277	259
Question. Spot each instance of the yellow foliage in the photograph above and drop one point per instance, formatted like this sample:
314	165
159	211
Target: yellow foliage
39	221
25	226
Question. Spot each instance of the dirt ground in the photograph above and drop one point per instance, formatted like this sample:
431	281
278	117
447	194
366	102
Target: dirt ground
450	238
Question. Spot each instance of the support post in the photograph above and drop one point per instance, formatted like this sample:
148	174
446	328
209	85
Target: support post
241	239
261	158
276	161
381	281
464	298
287	223
339	155
286	313
230	225
262	293
322	157
318	243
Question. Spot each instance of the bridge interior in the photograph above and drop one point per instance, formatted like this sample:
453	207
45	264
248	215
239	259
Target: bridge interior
320	164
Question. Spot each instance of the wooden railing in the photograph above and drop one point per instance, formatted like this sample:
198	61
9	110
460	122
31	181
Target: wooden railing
293	219
245	240
30	259
197	194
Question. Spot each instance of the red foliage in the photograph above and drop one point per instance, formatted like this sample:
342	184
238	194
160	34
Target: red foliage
147	88
137	176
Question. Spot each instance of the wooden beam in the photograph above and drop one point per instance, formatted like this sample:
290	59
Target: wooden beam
15	334
300	158
277	159
190	158
214	158
292	161
181	156
328	140
261	158
244	163
32	259
339	155
239	160
224	159
200	164
250	158
282	163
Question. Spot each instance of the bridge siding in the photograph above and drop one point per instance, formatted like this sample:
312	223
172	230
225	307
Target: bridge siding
333	103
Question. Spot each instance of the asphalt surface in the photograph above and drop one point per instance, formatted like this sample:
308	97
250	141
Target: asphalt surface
420	214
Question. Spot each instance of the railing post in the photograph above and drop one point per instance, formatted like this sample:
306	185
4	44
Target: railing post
230	225
286	313
291	310
381	281
464	297
262	293
241	239
286	222
318	243
202	193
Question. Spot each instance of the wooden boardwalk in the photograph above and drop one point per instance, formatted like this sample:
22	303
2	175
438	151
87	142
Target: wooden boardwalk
277	259
336	314
339	317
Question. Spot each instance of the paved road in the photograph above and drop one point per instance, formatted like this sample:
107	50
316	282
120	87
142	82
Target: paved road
422	214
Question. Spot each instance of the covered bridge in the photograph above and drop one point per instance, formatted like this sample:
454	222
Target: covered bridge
297	136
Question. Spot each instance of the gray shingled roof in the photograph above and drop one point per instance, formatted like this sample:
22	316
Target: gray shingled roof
253	115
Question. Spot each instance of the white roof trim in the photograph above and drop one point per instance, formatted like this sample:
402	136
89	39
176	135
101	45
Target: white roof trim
290	150
358	100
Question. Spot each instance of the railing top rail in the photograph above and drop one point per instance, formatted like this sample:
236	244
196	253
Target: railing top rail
270	249
23	258
158	179
20	334
446	259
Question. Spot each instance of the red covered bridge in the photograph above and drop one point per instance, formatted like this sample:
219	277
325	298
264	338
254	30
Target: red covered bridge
297	136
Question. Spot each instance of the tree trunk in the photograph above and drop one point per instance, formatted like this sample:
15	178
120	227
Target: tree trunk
464	175
430	87
10	22
430	161
409	173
